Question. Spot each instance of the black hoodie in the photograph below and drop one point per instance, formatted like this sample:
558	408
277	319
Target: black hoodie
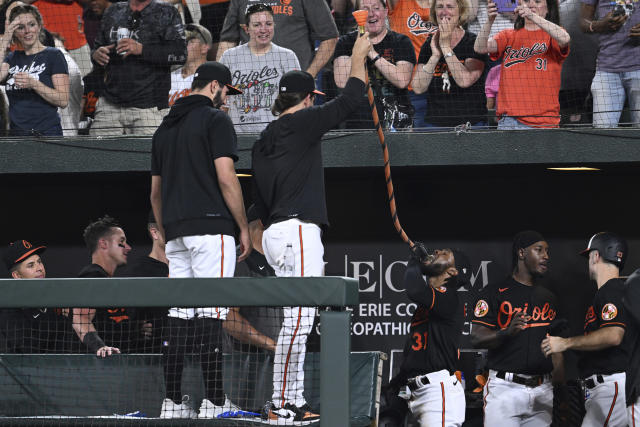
287	160
184	148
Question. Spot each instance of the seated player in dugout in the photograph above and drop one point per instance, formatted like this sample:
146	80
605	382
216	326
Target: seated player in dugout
150	320
108	246
433	392
32	330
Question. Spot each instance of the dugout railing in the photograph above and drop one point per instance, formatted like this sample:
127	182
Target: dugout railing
352	150
335	292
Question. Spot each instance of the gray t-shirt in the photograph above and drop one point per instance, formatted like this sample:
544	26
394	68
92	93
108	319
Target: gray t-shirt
297	24
258	76
616	53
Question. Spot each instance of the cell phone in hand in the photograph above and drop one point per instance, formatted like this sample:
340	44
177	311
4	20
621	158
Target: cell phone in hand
506	5
618	10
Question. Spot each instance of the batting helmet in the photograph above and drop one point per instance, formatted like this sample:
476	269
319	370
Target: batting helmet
611	247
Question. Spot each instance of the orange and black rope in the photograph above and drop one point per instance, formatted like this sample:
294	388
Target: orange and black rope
385	154
387	166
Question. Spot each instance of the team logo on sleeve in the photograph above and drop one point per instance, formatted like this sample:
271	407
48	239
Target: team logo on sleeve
482	308
609	312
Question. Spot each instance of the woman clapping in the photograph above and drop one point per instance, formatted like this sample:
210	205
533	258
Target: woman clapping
449	70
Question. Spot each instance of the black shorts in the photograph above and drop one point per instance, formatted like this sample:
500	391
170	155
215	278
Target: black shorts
197	336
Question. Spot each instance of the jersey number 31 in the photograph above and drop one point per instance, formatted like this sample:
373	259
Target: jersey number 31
420	341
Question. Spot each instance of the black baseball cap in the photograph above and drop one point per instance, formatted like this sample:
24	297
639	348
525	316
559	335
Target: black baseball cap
20	250
297	81
212	70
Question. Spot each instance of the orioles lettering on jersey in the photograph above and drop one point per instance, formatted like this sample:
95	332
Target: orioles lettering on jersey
518	56
282	7
282	10
419	25
545	314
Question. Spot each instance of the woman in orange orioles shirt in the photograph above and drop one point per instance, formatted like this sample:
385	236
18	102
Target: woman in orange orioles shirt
532	56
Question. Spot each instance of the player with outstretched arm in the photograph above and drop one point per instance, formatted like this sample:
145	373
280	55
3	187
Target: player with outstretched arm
289	192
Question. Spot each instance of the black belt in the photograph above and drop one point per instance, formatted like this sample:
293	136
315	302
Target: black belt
529	381
413	385
286	218
590	383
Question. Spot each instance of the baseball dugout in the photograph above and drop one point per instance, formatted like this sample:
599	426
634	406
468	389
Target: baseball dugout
81	389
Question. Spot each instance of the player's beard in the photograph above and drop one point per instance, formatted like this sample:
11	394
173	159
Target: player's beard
217	99
433	269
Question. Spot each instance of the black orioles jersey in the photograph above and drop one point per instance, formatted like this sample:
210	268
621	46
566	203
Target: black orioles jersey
496	308
606	311
436	326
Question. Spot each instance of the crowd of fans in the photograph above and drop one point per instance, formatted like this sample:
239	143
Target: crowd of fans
102	67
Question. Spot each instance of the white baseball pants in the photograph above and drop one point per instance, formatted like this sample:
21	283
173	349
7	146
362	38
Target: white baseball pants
201	256
508	404
439	403
288	363
606	402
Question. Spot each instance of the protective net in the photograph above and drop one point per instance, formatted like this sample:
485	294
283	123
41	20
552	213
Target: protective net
160	365
111	69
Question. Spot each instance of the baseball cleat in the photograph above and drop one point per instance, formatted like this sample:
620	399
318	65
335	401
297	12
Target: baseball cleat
302	413
170	409
209	410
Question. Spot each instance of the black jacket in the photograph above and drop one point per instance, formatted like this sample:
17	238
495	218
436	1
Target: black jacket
287	160
142	81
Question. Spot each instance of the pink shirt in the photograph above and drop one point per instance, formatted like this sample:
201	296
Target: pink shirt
492	82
